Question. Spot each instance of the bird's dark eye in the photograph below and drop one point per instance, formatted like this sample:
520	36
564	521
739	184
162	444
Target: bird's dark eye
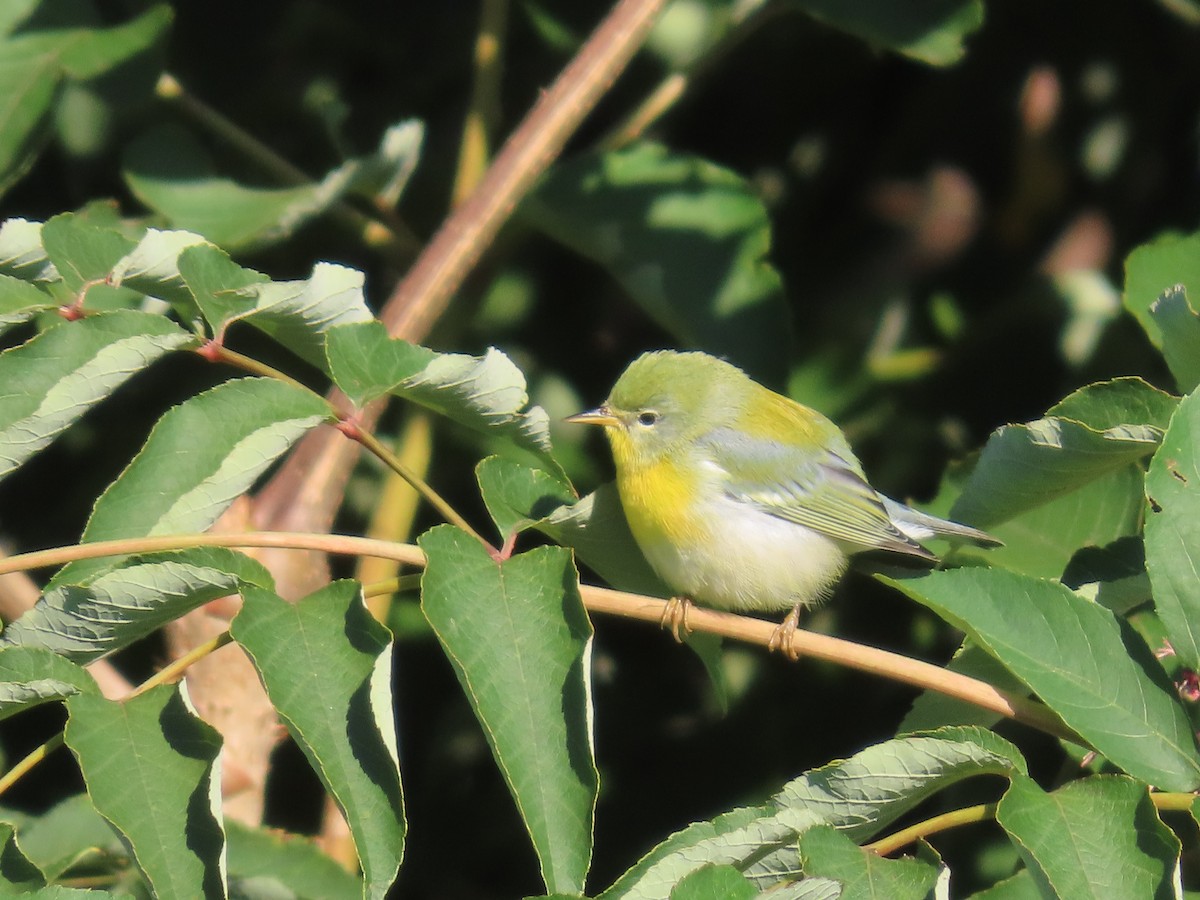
647	417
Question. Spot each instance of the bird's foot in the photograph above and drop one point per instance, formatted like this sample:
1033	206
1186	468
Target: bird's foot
781	638
675	615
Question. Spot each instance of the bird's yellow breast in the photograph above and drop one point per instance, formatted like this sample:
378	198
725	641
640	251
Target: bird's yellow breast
659	496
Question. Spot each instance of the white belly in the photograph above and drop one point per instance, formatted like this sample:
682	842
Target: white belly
750	560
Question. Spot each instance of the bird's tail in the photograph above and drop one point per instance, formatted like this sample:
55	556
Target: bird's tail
921	526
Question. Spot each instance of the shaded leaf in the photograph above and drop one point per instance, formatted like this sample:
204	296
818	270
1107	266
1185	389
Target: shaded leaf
58	837
1155	267
17	874
292	861
1097	837
31	675
83	254
22	254
1122	401
517	496
1180	329
931	31
20	301
685	238
933	709
327	667
51	380
199	458
149	764
520	642
829	853
714	883
1079	659
1173	531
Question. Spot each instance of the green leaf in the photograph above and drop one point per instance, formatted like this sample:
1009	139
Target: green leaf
714	883
54	378
1024	466
91	52
152	268
199	458
167	170
327	667
22	254
1155	267
1097	837
687	239
1114	575
29	78
1019	887
84	622
290	860
82	253
486	394
1079	659
1119	402
17	874
829	853
931	31
518	497
520	642
30	676
55	840
1180	329
149	766
20	301
1173	531
933	709
738	838
865	793
808	889
223	290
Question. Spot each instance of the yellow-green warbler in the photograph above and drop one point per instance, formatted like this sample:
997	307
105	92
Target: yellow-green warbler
740	498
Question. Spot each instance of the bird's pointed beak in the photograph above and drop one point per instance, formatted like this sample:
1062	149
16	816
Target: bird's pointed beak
601	415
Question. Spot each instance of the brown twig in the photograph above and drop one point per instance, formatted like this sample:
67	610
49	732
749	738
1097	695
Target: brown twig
424	293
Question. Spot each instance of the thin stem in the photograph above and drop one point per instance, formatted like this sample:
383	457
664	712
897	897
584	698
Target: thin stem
345	545
221	353
970	815
483	109
423	295
389	586
17	772
393	462
174	670
397	241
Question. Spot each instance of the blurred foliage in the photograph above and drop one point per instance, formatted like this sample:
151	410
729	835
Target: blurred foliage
940	249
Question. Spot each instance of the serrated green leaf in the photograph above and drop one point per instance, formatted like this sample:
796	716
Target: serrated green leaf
1098	837
829	853
1173	531
1156	266
687	239
198	459
51	380
17	874
20	301
22	254
152	268
739	838
57	838
1079	659
518	496
149	766
82	253
1180	329
365	363
220	288
31	675
1120	401
865	793
931	31
293	861
520	642
714	883
1025	466
326	665
84	622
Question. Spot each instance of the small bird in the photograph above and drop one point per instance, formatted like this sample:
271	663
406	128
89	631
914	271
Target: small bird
742	499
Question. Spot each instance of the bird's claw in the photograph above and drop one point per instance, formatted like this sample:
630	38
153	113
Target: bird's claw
781	638
675	615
